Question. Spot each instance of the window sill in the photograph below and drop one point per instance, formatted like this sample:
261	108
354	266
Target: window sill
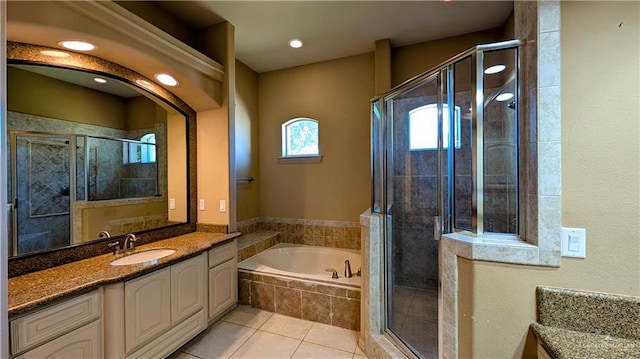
501	250
300	159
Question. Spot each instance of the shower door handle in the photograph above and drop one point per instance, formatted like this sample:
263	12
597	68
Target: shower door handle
437	227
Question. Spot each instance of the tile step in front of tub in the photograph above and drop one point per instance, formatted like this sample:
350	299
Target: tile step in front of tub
256	242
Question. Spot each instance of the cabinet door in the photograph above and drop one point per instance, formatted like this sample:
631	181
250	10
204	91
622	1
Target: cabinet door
223	287
187	288
147	308
82	343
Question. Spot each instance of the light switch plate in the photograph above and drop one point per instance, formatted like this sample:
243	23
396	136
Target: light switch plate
574	242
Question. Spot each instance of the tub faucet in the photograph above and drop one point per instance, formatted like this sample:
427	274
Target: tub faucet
104	234
347	269
334	272
129	242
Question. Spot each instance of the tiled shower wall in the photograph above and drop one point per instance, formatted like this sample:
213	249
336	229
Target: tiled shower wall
338	234
108	177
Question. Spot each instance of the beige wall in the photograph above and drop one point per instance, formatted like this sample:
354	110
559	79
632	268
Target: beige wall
247	143
600	185
142	113
409	61
215	146
337	94
40	95
177	167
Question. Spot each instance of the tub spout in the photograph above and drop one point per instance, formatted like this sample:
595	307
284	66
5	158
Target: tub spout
335	273
347	269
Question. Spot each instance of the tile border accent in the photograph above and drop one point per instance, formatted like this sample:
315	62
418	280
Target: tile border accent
324	233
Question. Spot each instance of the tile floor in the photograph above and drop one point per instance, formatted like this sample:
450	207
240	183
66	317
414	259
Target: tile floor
415	318
253	333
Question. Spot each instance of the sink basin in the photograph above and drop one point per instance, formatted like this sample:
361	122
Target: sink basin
141	257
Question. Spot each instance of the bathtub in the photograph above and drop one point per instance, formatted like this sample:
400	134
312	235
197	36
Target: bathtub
305	262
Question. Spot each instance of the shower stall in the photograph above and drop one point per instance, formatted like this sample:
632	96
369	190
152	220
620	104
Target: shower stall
444	160
49	173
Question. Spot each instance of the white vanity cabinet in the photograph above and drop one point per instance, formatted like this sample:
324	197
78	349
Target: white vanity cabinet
69	329
223	282
147	308
162	311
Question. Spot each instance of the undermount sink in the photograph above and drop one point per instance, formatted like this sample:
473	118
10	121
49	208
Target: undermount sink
141	257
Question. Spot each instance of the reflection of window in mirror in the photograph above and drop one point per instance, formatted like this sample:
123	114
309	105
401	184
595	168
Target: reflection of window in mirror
300	138
142	152
423	127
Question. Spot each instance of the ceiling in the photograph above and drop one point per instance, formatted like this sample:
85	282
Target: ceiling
334	29
81	78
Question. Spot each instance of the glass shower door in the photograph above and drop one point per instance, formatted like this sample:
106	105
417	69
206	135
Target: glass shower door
413	200
42	202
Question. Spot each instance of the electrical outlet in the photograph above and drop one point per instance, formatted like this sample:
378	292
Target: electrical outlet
172	203
202	205
223	205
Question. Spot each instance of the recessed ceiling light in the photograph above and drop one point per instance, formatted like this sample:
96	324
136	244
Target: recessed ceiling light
167	79
77	45
504	96
55	53
295	43
494	69
100	80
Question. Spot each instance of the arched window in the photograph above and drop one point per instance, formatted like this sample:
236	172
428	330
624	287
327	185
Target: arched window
143	151
423	127
148	148
300	138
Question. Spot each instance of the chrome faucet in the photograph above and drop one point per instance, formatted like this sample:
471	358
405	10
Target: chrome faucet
129	242
347	269
104	234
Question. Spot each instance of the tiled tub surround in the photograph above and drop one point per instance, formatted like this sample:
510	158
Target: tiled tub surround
324	233
323	303
30	291
302	295
579	324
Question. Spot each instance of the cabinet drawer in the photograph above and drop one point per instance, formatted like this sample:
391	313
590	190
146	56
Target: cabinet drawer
46	324
82	343
222	253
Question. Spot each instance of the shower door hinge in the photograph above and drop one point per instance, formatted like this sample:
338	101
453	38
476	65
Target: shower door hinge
437	227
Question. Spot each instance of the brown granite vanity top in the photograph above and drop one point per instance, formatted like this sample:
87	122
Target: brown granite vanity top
563	343
30	291
576	324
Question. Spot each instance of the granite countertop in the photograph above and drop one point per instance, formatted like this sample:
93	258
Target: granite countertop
30	291
583	324
570	344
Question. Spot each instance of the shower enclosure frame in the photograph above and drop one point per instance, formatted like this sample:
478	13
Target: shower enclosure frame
382	153
14	174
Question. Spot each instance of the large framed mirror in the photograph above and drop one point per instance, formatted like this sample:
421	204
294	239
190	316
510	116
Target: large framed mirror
95	151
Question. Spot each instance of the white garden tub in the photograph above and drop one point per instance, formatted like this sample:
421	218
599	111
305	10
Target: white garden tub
305	262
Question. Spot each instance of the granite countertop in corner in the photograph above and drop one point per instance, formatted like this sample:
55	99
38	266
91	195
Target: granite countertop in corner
563	343
576	324
30	291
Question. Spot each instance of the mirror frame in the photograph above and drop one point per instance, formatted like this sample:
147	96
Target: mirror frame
23	53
